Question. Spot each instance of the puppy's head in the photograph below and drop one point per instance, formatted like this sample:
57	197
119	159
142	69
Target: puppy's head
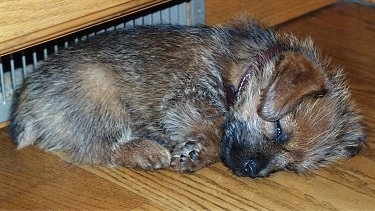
295	115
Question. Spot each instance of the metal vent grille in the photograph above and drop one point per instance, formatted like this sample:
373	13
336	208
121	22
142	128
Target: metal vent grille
15	67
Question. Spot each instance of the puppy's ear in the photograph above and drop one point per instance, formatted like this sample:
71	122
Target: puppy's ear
295	78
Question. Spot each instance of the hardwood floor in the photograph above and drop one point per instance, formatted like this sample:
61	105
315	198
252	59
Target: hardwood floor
33	179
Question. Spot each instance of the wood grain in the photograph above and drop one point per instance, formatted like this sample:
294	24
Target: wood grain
24	23
4	124
269	11
33	179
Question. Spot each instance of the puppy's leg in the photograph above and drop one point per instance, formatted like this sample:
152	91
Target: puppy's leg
199	150
197	131
112	145
138	153
143	154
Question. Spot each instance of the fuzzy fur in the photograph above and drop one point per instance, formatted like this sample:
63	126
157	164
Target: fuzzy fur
153	97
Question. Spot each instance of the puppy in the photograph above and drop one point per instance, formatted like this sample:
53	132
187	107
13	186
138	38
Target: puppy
153	97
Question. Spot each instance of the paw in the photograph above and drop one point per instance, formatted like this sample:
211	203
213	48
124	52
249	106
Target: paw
154	159
186	156
146	155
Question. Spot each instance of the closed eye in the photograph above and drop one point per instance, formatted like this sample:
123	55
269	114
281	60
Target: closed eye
280	136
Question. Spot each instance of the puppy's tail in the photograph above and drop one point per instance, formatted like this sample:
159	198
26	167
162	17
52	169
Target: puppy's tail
21	130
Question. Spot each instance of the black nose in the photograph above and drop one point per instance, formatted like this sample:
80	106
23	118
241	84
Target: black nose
252	168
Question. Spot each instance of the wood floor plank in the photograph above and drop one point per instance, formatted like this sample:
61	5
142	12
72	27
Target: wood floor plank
33	179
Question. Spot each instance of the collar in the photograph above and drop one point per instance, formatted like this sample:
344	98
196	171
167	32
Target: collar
234	93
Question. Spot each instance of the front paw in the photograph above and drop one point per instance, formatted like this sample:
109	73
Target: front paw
156	159
186	156
144	154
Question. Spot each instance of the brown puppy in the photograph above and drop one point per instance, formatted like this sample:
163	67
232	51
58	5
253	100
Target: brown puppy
151	97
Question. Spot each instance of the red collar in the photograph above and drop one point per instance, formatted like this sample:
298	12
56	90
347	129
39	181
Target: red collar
234	93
